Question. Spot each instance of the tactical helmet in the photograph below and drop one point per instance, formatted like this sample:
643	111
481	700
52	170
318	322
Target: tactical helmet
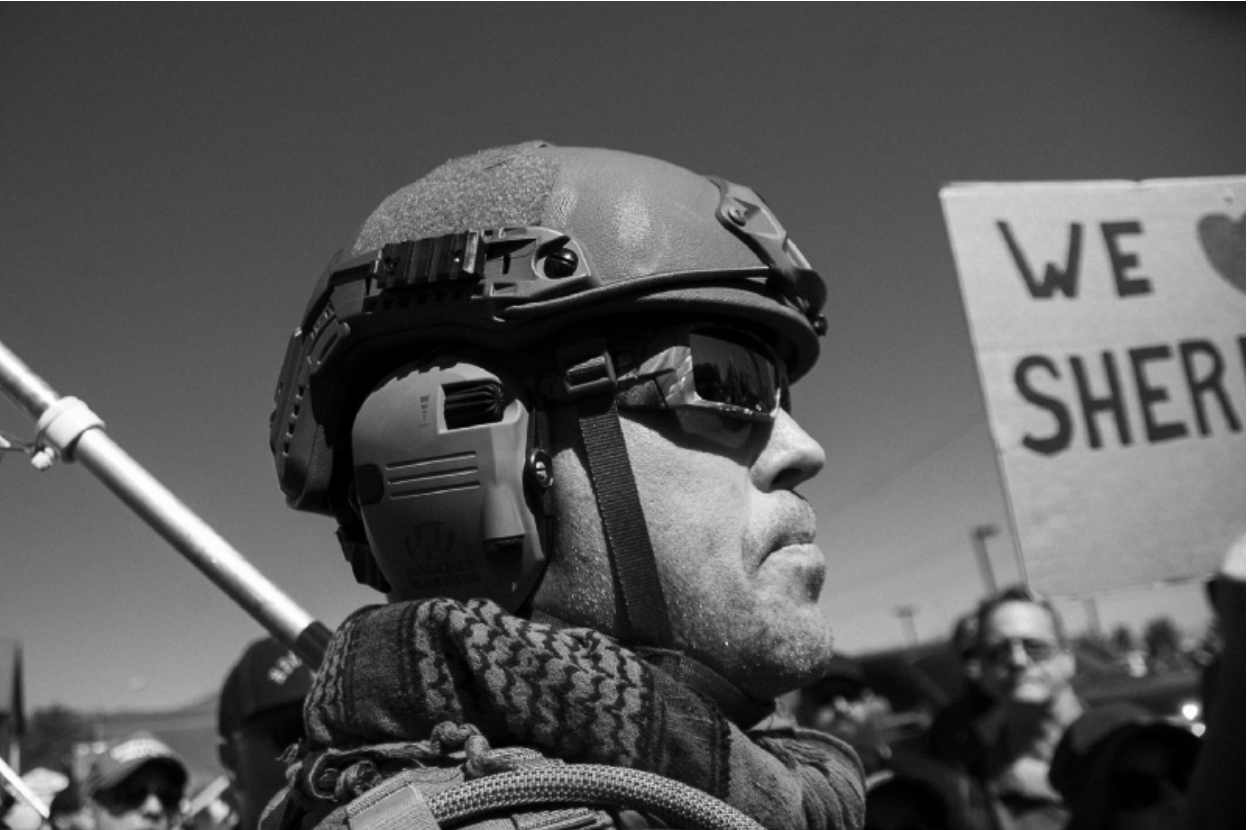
480	261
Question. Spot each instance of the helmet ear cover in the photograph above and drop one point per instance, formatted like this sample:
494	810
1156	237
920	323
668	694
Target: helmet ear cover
444	452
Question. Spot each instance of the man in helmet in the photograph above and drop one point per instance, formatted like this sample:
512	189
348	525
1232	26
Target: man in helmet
545	393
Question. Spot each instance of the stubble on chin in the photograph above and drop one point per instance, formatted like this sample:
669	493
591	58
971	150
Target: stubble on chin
775	649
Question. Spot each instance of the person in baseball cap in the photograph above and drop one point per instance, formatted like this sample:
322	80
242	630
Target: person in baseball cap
70	811
260	714
136	783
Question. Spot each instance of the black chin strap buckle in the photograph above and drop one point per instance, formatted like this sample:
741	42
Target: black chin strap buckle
586	369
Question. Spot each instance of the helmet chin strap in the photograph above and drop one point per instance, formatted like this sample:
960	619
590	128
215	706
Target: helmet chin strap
645	624
629	550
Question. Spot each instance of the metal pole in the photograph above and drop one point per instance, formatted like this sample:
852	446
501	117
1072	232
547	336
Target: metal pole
978	534
19	786
168	516
1021	562
1093	617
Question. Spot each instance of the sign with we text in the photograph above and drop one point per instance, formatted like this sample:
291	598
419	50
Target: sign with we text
1108	324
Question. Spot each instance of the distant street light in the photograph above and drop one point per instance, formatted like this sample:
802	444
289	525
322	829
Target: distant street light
906	614
978	534
1094	618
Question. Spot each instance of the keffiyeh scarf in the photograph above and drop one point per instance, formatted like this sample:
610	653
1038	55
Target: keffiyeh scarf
397	677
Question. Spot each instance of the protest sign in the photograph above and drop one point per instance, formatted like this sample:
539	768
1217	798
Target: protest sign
1108	325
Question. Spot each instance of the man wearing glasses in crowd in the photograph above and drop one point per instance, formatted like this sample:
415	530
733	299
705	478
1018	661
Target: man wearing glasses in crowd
136	784
1025	664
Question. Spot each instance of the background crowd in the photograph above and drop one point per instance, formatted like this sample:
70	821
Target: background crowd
159	178
1034	731
1029	742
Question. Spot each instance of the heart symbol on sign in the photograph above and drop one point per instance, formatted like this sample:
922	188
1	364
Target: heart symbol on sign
1223	241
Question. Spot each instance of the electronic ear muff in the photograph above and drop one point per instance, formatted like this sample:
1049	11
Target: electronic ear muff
443	453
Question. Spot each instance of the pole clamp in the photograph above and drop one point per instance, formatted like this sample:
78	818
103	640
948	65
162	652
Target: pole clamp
59	428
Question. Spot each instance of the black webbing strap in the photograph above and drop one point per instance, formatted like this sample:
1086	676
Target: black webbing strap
623	524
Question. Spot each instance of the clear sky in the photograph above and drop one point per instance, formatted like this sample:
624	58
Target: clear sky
174	178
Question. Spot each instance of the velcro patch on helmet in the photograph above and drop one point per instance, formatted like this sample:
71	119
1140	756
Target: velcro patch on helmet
499	188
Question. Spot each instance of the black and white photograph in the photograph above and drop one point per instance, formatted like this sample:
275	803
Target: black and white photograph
822	416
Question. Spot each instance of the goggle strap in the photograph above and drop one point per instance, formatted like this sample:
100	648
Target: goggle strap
623	523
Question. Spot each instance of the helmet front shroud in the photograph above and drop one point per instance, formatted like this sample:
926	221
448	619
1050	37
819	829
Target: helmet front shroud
411	404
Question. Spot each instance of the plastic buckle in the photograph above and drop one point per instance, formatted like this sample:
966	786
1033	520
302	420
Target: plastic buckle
63	423
744	213
586	369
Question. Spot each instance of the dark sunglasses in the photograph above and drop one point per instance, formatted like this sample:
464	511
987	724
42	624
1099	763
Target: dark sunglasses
719	369
129	796
1037	651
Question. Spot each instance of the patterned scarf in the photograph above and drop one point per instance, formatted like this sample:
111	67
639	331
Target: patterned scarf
394	673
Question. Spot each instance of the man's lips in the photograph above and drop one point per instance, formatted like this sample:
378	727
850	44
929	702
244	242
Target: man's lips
788	551
795	526
797	551
793	538
803	563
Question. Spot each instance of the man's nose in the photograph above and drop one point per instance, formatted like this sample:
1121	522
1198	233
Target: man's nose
1018	653
153	811
789	458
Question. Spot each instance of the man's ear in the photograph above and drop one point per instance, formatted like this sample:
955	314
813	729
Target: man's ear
1067	664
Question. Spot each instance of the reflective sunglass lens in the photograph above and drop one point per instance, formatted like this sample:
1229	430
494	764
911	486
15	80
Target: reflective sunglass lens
730	373
724	371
